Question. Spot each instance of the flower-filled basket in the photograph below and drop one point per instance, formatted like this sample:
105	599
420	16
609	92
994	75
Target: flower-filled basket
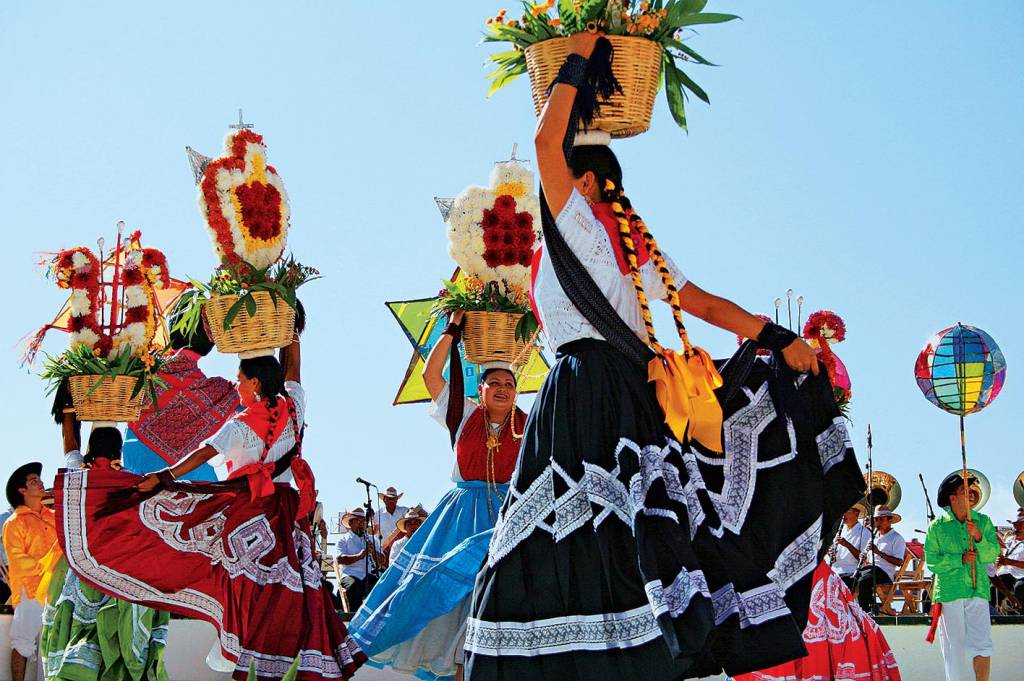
249	304
492	234
111	363
491	337
100	398
268	325
648	43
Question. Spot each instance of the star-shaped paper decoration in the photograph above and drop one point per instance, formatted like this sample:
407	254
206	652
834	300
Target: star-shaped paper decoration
423	331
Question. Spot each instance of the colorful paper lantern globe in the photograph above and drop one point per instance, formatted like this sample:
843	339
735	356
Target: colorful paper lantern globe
961	370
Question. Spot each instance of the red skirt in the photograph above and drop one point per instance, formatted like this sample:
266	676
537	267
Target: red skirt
842	641
209	551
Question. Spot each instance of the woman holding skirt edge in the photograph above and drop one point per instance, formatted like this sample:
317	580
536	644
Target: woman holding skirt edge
621	552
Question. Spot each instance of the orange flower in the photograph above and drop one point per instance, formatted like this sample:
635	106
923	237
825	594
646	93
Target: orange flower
556	22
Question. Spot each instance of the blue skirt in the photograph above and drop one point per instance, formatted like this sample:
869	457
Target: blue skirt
414	618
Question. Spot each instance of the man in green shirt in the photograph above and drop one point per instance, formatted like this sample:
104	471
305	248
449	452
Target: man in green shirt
959	546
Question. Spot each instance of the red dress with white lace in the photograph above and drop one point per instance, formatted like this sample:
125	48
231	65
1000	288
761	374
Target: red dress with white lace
237	554
843	642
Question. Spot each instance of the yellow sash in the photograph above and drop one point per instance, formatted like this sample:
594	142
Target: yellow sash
685	384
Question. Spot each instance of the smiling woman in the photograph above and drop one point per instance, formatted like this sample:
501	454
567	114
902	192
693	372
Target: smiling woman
415	618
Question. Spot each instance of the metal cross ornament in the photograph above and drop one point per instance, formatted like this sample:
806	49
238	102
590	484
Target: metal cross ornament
242	125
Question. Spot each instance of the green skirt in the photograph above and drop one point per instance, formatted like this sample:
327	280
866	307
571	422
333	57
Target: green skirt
89	636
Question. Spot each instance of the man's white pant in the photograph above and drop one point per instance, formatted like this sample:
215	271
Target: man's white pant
26	625
965	632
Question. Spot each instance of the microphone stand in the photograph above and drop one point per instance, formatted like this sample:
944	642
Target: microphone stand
927	500
871	509
930	513
367	535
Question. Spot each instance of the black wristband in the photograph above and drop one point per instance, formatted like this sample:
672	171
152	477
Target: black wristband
774	337
573	71
454	330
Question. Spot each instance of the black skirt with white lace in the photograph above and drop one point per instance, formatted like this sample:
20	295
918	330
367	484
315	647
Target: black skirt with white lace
620	554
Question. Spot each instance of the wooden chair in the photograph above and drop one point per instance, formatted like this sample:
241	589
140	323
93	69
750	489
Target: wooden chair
909	586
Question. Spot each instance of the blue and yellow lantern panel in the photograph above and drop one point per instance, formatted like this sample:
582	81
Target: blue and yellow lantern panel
961	370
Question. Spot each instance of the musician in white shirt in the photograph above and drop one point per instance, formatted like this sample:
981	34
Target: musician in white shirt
1010	565
387	519
884	556
853	539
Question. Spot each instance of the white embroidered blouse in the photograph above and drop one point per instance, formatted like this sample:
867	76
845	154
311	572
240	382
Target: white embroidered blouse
238	445
588	239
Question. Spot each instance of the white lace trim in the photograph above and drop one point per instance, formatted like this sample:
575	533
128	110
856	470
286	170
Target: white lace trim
833	443
756	606
531	509
675	598
799	558
563	634
741	435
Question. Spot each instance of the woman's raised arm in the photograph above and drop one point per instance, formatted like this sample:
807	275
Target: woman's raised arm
555	176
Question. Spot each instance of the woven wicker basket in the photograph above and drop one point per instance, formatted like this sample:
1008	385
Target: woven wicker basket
273	326
637	66
111	401
491	337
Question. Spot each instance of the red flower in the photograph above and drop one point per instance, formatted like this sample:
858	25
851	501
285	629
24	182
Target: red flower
136	314
261	209
509	257
505	205
525	239
817	322
104	345
492	257
525	258
490	219
131	276
77	323
82	279
508	237
524	220
492	238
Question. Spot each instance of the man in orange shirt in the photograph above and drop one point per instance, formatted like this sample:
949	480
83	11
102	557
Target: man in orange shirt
28	536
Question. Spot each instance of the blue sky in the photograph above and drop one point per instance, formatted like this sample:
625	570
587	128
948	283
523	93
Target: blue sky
868	156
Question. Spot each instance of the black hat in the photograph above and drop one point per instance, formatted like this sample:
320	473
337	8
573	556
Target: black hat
949	486
17	481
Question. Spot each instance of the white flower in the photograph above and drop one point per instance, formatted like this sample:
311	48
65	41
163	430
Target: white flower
135	296
86	337
79	303
79	260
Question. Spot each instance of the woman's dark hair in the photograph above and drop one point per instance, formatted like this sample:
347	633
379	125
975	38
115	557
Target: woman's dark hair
599	160
104	443
488	372
300	317
267	370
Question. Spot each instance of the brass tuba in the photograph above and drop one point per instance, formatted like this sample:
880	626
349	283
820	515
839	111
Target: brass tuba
883	490
981	491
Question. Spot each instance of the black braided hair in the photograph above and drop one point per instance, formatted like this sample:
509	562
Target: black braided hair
572	276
